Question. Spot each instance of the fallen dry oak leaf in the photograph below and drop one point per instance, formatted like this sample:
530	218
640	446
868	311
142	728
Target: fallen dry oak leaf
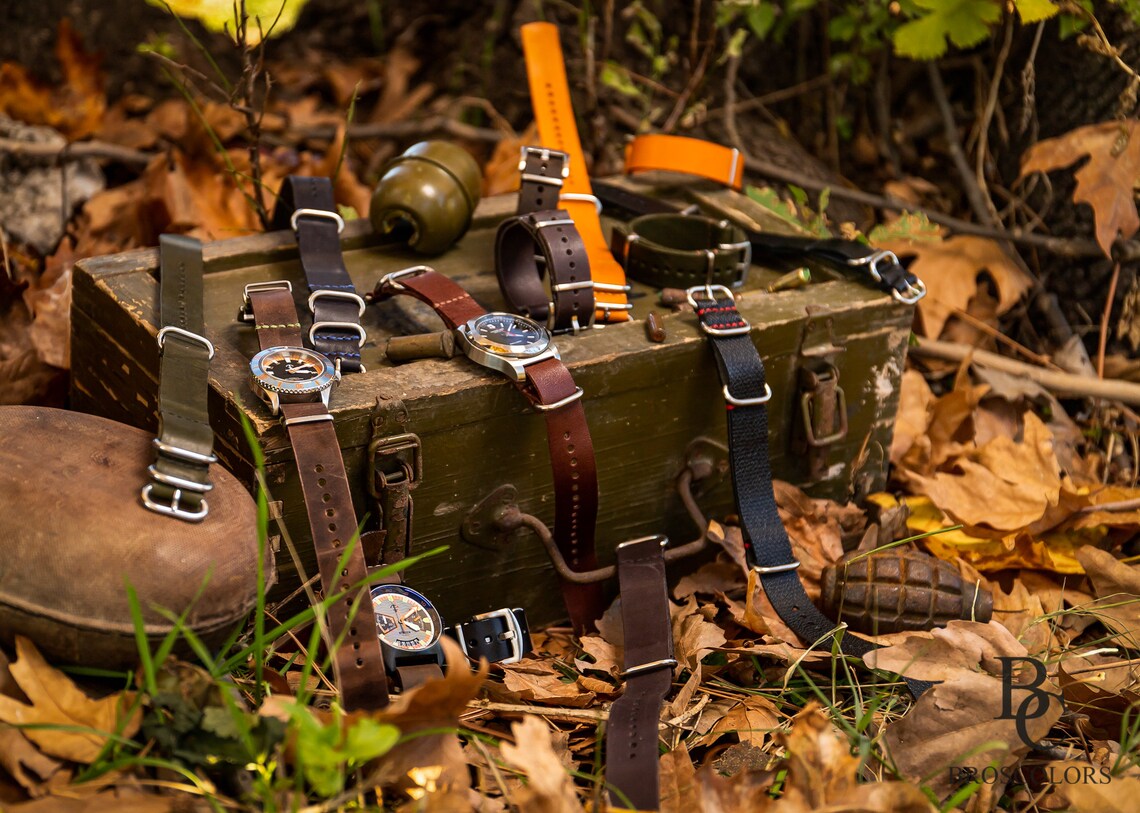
694	633
686	790
1092	792
549	788
950	269
824	774
54	700
1105	183
959	723
1117	589
538	681
24	762
753	719
1001	487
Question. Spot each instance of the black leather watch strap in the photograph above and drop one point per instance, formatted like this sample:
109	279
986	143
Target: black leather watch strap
179	477
547	243
543	172
677	251
881	268
306	205
500	636
767	548
631	734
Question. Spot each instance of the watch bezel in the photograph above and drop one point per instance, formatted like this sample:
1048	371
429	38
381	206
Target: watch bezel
267	381
416	596
527	351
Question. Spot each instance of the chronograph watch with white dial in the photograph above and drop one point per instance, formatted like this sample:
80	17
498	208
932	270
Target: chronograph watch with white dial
523	350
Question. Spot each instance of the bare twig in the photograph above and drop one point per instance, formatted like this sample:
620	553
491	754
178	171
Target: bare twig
400	129
570	715
1001	338
974	194
775	96
987	116
1104	321
1064	384
730	102
77	151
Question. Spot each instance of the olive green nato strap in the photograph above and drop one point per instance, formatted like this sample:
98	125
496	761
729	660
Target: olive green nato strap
179	476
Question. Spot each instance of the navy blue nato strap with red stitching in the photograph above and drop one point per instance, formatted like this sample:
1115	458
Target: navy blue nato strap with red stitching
306	206
767	548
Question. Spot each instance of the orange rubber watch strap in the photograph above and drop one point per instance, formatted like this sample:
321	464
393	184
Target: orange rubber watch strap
692	156
554	115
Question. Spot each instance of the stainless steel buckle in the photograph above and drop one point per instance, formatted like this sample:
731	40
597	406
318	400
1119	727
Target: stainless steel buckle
569	399
389	280
174	508
915	292
184	454
178	482
573	286
763	399
514	632
709	291
324	293
745	263
764	570
318	213
872	261
351	326
542	224
652	666
245	313
581	196
732	167
186	334
544	154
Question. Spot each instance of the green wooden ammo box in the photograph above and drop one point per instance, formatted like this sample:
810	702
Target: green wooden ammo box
649	405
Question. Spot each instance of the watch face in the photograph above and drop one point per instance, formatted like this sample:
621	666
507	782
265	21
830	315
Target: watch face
509	335
404	619
292	370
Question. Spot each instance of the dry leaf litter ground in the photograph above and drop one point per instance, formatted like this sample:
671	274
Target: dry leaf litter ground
1041	511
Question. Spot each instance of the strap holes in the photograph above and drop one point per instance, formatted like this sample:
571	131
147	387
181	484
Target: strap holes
329	512
570	448
321	482
326	497
564	239
359	663
332	526
319	469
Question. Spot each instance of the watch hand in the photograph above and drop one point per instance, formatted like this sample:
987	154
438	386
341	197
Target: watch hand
414	627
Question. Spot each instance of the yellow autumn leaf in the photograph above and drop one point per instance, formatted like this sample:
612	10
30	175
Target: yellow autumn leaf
59	718
266	17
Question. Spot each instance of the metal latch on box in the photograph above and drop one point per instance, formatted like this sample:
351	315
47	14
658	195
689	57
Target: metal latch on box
822	403
395	468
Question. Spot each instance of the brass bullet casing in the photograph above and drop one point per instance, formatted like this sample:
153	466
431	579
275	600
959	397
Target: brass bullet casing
654	330
897	590
427	196
793	279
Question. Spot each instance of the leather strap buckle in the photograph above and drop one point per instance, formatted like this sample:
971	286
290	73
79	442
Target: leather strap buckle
581	196
652	666
245	312
388	281
544	154
184	454
317	213
569	399
349	326
174	507
325	293
194	337
514	633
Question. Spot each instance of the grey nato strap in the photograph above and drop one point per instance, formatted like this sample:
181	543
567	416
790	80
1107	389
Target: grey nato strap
179	476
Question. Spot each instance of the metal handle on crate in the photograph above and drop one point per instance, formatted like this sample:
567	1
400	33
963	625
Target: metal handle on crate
498	515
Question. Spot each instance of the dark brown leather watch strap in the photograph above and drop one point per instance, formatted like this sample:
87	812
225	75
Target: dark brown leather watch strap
358	663
275	319
575	483
306	205
551	389
550	236
542	173
179	476
631	734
